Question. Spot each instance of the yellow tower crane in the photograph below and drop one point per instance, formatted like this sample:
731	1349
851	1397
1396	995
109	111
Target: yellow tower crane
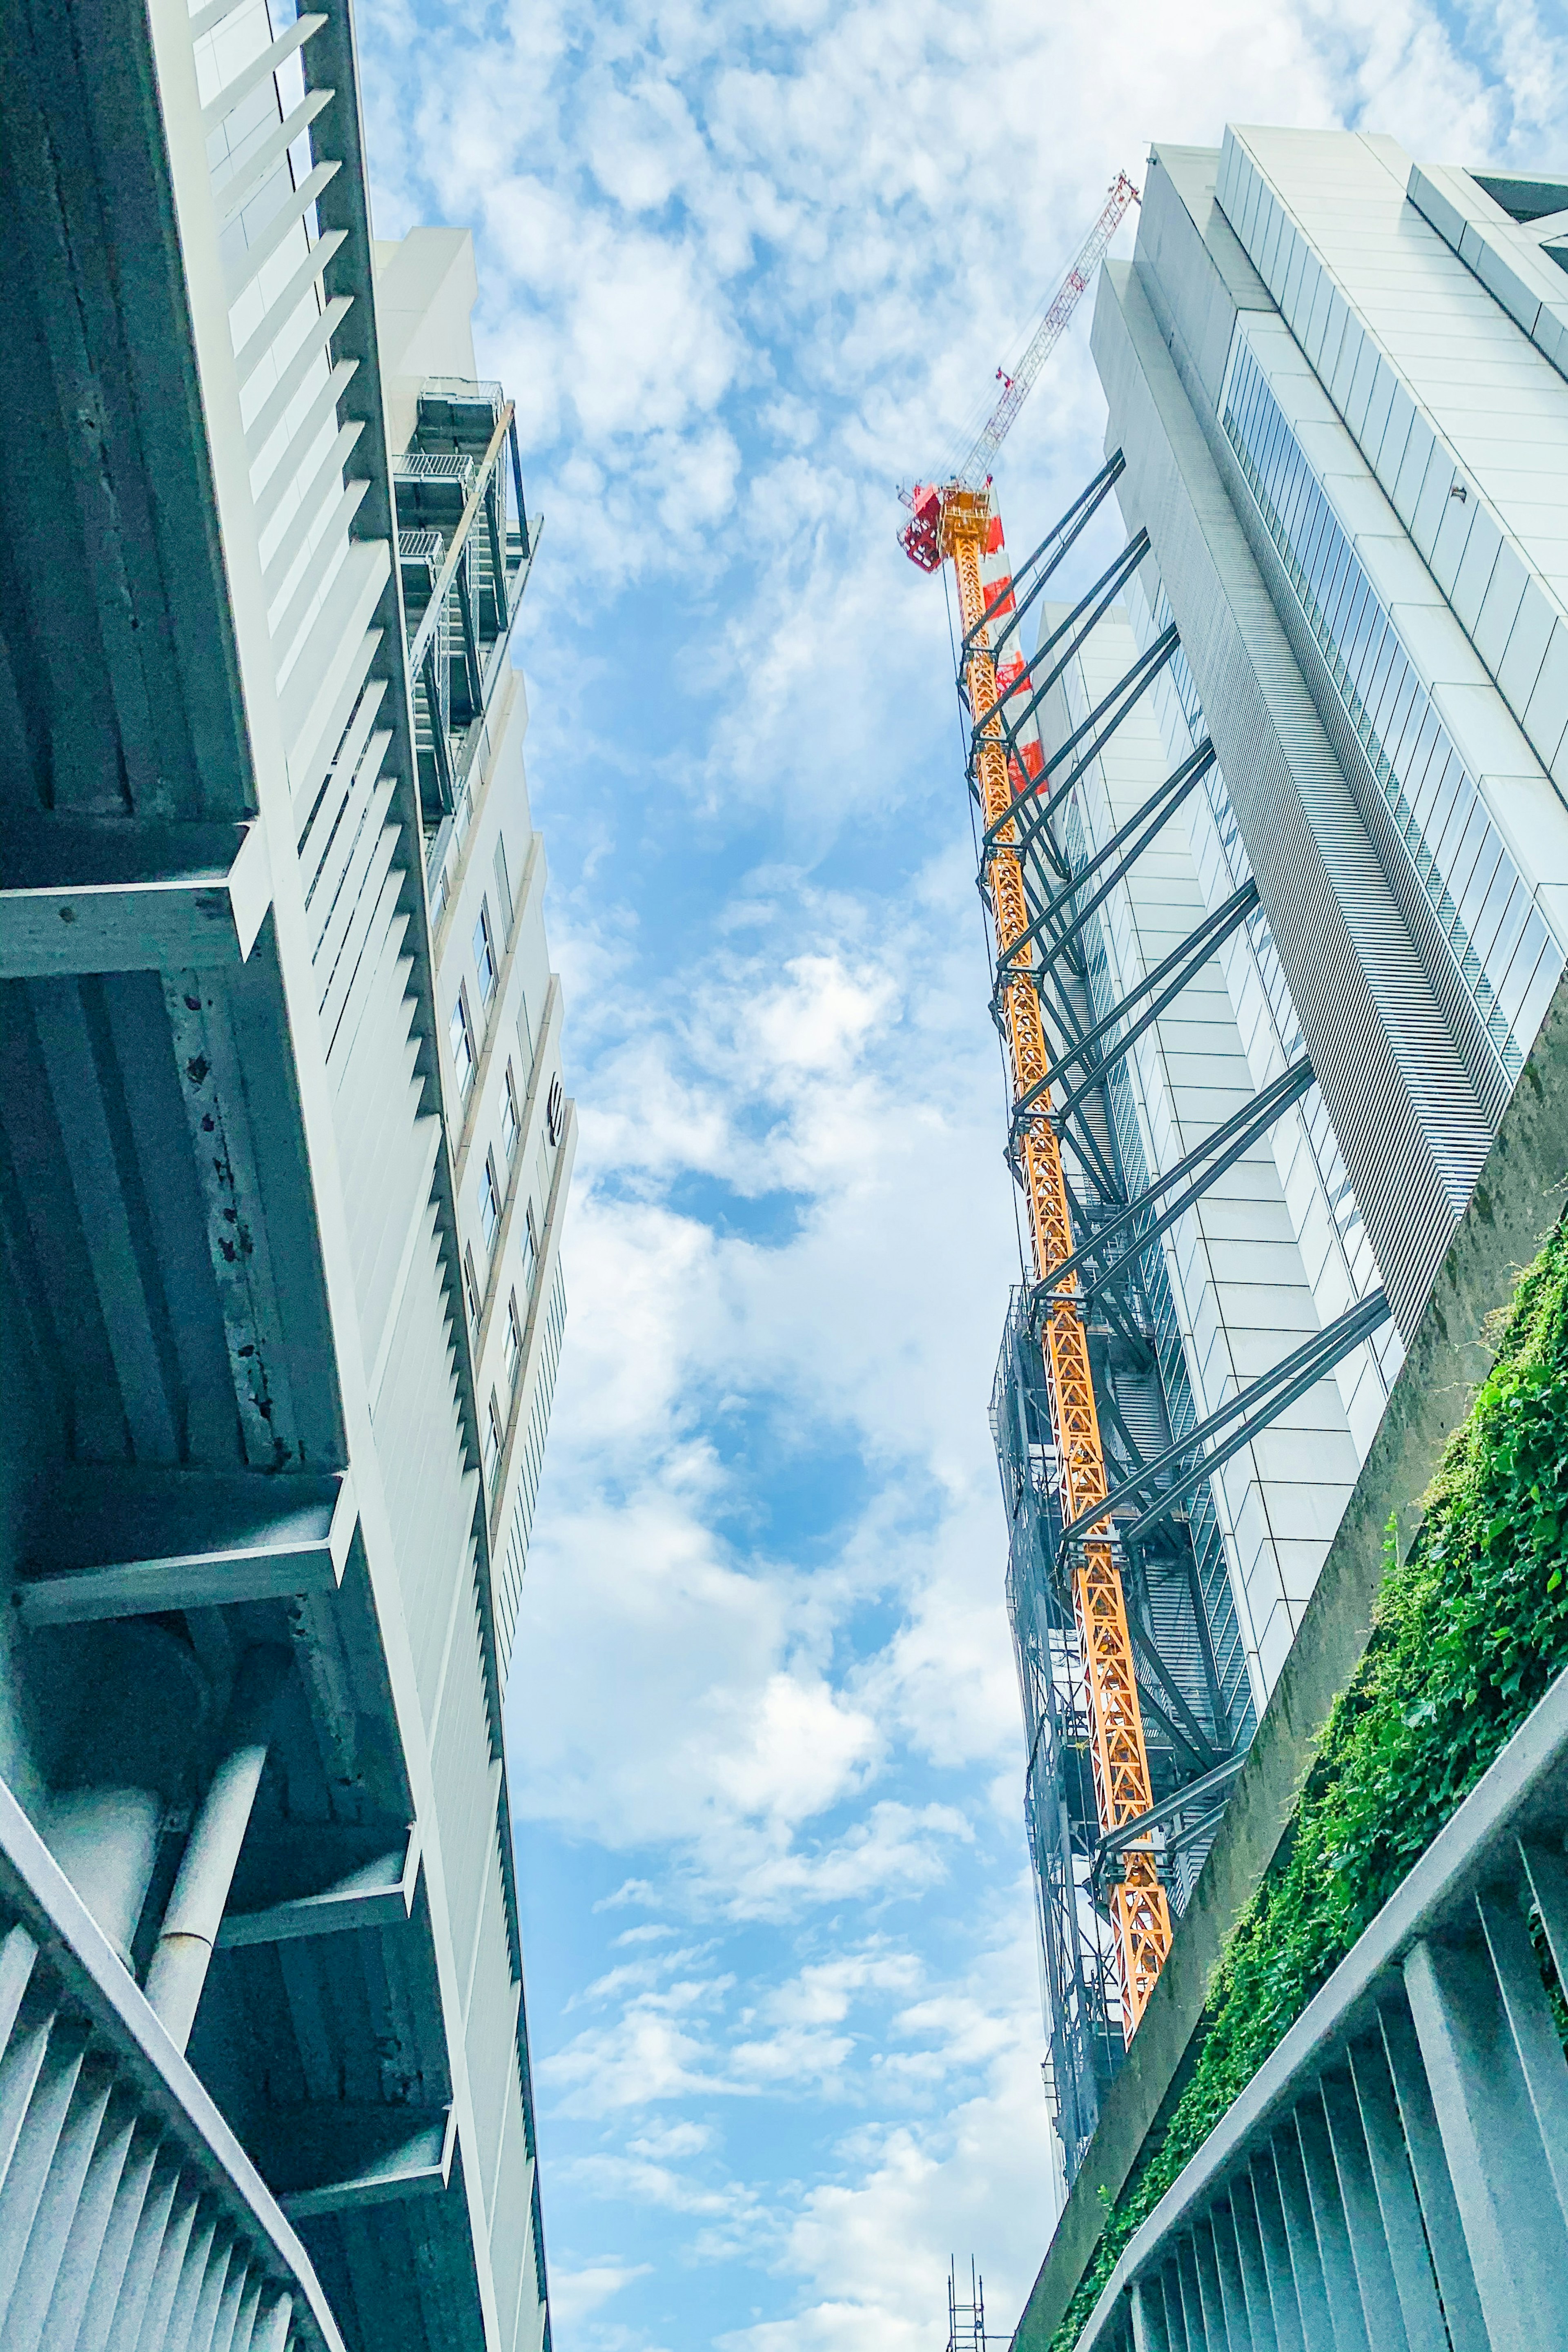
957	520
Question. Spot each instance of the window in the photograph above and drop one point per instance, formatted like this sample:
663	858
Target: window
510	1121
503	889
1481	903
525	1031
484	954
471	1287
493	1434
530	1248
513	1340
462	1038
489	1201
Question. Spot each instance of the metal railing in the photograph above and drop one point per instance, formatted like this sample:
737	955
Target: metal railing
129	2212
1394	2178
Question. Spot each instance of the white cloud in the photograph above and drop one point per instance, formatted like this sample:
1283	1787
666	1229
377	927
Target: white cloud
656	2049
869	2243
825	1990
663	2142
635	2181
574	2292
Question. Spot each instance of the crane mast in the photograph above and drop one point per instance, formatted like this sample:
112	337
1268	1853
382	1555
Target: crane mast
959	522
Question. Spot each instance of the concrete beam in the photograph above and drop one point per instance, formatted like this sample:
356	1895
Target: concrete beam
374	1893
75	897
122	1541
334	2157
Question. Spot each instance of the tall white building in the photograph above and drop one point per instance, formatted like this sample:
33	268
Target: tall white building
283	1150
459	487
1301	898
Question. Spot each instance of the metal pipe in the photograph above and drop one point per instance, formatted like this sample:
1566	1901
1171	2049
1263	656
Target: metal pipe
184	1948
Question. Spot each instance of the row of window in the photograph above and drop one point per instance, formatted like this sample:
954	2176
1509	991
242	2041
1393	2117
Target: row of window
511	1344
490	1211
463	1031
516	1557
1483	906
492	1221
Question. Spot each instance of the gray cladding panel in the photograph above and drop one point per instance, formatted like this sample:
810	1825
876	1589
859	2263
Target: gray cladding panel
1390	1074
1190	262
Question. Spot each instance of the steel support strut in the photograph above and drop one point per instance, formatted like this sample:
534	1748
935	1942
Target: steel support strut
1048	556
1140	1908
1111	865
1160	987
1084	618
1188	1181
1237	1421
1088	741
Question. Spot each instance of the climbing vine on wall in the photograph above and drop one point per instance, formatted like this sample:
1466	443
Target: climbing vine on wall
1468	1633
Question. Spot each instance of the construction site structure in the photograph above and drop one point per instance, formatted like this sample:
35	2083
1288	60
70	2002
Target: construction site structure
971	535
1138	1548
957	521
1132	1654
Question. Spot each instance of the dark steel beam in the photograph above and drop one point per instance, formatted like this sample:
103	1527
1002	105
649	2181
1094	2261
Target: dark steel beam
1080	623
1209	1792
122	1540
1097	730
1059	538
1120	853
1176	970
1244	1417
1208	1161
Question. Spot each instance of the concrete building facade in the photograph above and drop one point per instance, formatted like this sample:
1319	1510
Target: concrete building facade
283	1152
1337	644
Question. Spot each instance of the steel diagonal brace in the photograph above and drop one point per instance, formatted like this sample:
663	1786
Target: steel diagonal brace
1208	1161
1059	538
1162	986
1124	696
440	747
1077	1132
1120	853
1095	603
1154	1704
517	479
1244	1417
1040	821
1335	1343
1207	1791
1032	813
1079	625
1182	1724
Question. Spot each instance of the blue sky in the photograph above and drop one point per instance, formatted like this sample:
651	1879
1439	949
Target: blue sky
742	272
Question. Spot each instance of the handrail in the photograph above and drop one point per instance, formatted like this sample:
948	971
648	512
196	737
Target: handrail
96	1983
1449	2063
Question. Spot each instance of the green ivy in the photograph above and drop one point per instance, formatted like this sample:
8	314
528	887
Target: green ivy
1467	1635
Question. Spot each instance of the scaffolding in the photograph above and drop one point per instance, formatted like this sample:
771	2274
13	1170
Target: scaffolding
965	2321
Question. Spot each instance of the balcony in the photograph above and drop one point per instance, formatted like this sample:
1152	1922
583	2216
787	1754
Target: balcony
465	546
